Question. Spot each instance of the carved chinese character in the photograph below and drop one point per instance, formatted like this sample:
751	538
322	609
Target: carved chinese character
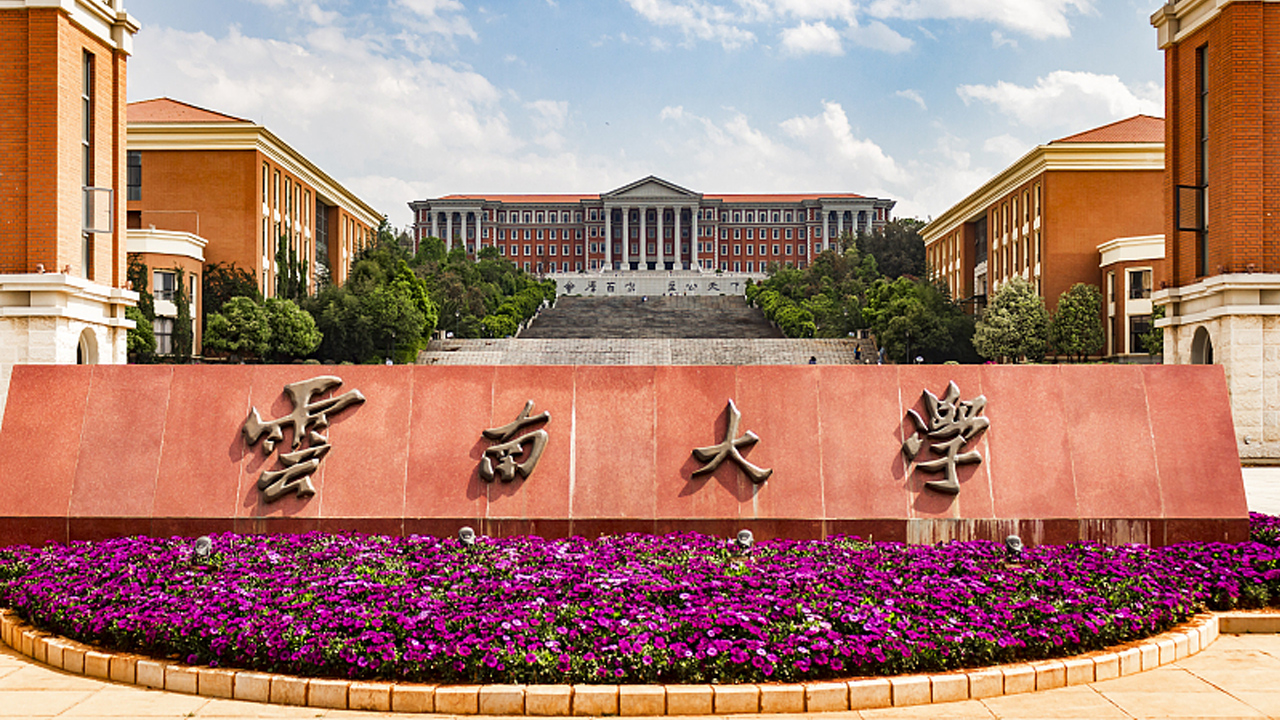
716	454
609	286
501	460
713	287
691	287
591	286
631	287
952	422
307	421
671	286
568	287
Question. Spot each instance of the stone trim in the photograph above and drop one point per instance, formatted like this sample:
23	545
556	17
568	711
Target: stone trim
566	700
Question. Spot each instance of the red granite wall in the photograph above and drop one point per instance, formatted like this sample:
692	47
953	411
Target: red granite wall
1109	453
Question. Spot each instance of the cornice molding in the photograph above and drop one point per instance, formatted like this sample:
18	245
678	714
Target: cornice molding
250	136
1061	157
105	19
1177	20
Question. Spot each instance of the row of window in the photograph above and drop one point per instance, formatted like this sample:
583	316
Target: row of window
552	217
564	266
704	248
594	232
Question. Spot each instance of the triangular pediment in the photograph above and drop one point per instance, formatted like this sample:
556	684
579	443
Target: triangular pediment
651	188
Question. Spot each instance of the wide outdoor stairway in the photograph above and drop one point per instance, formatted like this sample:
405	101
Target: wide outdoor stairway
678	330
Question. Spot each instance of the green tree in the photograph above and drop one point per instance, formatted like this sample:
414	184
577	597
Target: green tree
240	330
1153	340
1076	329
912	318
141	339
183	331
291	277
897	247
224	281
1015	325
293	330
139	277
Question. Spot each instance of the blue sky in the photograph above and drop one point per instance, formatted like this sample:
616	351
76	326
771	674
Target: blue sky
915	100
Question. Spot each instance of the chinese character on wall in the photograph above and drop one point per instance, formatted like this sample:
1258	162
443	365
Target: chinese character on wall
502	461
307	421
713	455
952	423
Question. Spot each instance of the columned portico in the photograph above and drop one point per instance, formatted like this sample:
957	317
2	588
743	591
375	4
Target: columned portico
599	233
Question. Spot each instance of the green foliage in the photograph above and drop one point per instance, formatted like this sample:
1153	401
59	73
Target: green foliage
291	278
242	329
224	281
912	318
141	339
183	331
1153	340
1076	329
139	277
1015	325
897	248
293	330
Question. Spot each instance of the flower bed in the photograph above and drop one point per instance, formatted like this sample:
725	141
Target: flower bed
624	609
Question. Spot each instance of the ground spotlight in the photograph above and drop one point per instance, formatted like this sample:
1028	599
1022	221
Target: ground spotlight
203	548
745	540
1014	544
467	536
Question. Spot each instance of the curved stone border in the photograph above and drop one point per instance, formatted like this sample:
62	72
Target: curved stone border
596	700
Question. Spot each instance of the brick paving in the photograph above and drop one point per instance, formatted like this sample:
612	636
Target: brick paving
1234	677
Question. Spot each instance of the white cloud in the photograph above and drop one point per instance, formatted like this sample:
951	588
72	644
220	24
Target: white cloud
812	38
1068	100
878	36
913	96
1006	147
696	19
998	40
830	134
439	17
1035	18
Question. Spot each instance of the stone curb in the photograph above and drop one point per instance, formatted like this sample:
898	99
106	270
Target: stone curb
566	700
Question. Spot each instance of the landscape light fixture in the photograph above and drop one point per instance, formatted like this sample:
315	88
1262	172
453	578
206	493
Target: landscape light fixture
467	536
1014	544
203	548
745	540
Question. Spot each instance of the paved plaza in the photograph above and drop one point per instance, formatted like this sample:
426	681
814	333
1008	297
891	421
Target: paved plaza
1236	677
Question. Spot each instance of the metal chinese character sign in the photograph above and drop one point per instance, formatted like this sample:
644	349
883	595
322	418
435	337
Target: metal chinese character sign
500	461
952	423
308	419
716	454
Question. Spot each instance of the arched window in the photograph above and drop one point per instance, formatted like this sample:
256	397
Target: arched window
1201	347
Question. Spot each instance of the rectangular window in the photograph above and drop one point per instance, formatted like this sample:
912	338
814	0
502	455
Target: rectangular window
1202	166
528	249
724	249
87	168
1139	325
135	175
164	284
775	250
737	249
163	328
552	248
751	233
1139	284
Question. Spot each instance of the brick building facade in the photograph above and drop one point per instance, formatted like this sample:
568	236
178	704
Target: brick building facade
240	188
681	229
1222	203
1046	216
63	70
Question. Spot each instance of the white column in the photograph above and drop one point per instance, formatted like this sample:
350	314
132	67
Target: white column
479	219
644	238
435	231
626	238
840	224
661	255
675	247
693	247
448	228
608	238
826	229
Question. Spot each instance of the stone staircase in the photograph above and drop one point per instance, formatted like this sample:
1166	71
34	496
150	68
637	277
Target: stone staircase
658	330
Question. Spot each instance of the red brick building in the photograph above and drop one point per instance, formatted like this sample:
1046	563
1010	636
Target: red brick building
235	184
650	224
63	69
1082	209
1222	203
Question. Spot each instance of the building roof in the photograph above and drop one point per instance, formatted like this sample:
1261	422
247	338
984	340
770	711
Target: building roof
1137	129
761	198
166	110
